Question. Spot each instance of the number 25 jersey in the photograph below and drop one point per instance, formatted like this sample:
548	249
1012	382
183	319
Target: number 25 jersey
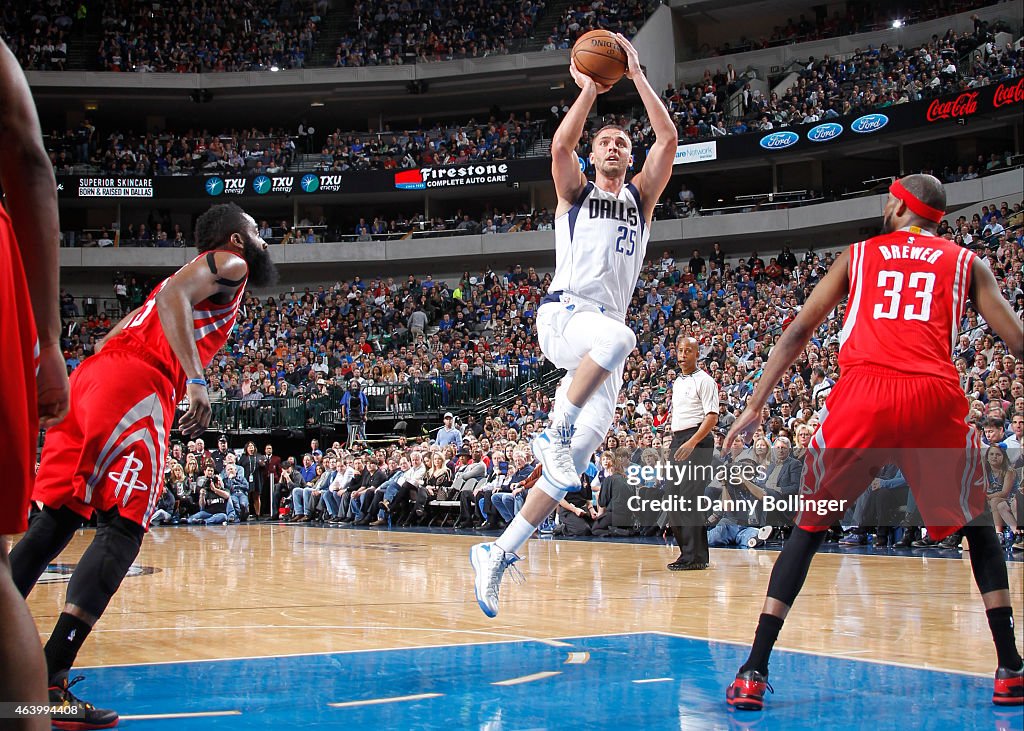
600	245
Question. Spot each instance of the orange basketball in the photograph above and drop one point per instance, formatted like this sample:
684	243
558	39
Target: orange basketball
598	55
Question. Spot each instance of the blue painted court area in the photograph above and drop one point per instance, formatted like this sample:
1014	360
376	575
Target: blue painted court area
593	682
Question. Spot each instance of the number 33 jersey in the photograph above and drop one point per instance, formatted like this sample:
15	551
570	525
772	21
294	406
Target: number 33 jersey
600	245
908	291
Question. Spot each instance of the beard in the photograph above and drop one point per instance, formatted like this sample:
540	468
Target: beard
262	272
888	224
614	169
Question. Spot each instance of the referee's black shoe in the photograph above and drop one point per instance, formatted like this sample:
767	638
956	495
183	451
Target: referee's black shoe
747	690
680	565
1009	687
87	716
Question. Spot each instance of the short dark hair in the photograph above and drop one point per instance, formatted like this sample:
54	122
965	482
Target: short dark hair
927	189
214	228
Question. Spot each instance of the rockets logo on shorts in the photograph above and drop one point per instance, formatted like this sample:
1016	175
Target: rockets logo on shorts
127	479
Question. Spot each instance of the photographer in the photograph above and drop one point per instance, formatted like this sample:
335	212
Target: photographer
739	527
354	407
213	499
238	489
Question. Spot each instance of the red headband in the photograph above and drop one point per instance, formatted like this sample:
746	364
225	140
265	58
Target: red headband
914	203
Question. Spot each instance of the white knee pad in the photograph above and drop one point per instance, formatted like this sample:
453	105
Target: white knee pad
612	345
554	492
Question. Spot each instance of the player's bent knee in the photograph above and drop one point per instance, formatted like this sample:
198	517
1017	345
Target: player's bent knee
105	563
49	532
554	492
613	345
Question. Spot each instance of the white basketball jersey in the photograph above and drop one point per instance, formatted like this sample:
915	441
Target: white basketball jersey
600	245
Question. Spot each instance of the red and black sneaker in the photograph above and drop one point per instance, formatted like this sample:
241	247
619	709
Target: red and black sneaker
747	691
1009	689
81	716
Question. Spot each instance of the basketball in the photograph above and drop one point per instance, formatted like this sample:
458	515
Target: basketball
598	55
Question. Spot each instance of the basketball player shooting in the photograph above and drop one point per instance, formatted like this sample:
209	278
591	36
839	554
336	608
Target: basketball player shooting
108	455
601	232
34	388
899	401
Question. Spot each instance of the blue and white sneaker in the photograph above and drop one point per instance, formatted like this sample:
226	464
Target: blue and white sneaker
489	564
553	449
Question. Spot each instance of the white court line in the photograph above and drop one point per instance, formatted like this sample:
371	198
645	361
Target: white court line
379	701
528	678
832	656
577	658
652	680
161	716
548	641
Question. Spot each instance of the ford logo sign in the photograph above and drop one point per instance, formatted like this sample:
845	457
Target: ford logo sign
779	140
825	132
869	123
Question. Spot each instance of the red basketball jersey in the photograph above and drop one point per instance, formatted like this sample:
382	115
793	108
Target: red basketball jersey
212	323
18	418
908	290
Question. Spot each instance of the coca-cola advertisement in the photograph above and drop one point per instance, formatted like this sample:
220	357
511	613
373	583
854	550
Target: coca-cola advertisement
1008	93
963	106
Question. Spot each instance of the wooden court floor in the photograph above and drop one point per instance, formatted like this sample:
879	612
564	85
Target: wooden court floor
274	589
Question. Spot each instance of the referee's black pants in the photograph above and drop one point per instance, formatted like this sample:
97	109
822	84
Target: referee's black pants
688	526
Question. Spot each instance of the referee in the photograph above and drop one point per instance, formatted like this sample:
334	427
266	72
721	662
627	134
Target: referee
694	415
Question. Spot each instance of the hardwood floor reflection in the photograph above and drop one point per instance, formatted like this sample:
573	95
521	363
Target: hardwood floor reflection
269	589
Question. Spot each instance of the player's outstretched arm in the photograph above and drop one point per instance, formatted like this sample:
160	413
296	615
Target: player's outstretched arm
829	293
995	309
565	167
27	178
193	284
651	181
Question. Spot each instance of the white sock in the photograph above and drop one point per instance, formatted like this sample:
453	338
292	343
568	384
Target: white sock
516	535
566	412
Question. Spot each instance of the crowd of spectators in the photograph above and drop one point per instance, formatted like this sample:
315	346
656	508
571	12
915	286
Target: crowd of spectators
215	35
193	152
300	348
418	31
439	144
38	34
619	16
252	152
259	35
826	88
832	87
858	18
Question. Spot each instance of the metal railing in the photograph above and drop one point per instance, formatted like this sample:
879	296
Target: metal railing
419	397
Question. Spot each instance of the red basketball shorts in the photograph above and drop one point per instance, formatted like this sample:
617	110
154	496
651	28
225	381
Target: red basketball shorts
875	417
110	450
19	421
